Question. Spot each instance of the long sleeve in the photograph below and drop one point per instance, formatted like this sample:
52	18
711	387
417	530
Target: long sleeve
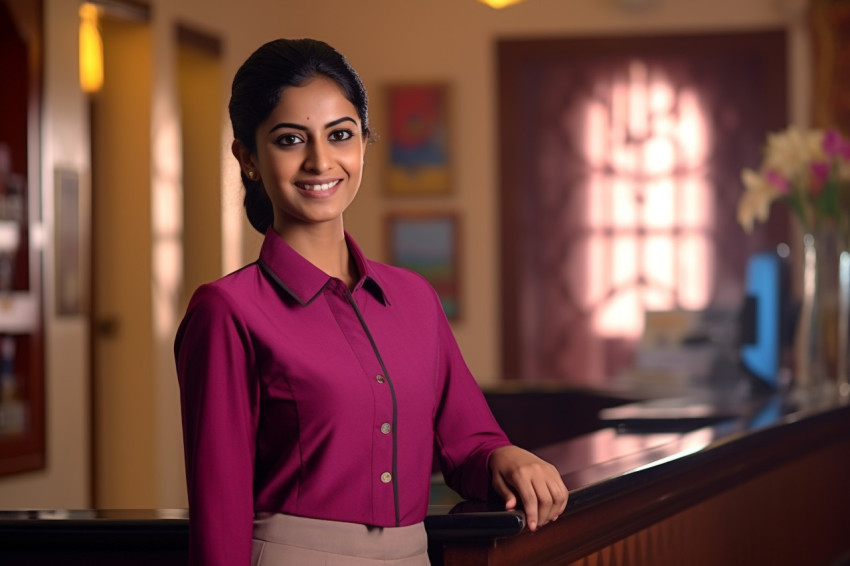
219	401
466	431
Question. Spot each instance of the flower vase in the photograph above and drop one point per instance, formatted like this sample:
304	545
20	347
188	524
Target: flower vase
844	319
824	313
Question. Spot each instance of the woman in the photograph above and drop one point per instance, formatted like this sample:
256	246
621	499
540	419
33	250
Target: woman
316	385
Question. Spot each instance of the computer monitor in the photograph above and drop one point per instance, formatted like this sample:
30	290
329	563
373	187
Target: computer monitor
766	317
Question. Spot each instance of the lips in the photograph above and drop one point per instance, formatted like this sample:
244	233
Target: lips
317	186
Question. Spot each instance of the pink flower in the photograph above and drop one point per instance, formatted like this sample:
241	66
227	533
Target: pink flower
834	145
778	182
819	175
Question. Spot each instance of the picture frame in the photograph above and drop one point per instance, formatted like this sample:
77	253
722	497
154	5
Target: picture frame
418	141
429	243
69	275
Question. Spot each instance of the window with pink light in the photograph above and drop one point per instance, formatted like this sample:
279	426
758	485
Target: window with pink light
649	205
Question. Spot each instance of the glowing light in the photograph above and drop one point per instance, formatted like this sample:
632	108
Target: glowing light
91	49
499	4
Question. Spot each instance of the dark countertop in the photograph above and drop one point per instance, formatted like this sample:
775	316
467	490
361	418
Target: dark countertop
598	466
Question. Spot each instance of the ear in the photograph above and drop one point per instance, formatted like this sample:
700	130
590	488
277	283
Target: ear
246	161
366	141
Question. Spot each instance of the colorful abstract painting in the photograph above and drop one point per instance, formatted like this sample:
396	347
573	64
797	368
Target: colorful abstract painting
418	161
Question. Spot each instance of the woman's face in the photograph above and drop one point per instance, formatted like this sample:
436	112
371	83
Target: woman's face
310	154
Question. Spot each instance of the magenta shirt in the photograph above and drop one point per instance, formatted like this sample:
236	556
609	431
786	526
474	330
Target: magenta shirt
301	397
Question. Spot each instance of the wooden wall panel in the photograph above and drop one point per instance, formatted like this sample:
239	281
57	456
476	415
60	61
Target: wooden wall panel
797	514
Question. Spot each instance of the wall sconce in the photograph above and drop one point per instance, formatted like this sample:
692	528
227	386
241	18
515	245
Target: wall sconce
499	4
91	49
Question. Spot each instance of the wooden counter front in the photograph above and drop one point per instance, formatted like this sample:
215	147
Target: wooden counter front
739	493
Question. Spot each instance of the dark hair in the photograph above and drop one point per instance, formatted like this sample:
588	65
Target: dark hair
257	88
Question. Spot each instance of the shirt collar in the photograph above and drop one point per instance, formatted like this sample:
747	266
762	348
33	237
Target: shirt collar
303	280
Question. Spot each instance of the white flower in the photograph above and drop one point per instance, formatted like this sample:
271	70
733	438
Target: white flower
756	200
791	152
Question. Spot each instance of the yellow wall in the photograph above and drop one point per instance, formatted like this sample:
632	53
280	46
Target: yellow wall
387	41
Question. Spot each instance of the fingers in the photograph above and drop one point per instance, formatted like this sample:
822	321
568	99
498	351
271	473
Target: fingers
504	492
560	495
539	502
518	474
541	492
534	506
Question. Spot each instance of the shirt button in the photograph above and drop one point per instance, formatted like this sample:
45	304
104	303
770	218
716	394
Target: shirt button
386	477
386	428
379	378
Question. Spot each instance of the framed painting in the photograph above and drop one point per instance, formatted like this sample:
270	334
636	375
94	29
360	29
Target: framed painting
428	244
418	160
69	282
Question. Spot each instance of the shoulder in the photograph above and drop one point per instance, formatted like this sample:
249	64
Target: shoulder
399	278
225	296
216	314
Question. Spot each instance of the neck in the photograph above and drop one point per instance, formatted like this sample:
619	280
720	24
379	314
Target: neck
324	246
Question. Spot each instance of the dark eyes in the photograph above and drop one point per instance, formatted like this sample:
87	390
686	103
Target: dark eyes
295	139
288	139
340	135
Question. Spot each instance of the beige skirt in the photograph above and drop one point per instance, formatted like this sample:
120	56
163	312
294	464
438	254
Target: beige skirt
287	540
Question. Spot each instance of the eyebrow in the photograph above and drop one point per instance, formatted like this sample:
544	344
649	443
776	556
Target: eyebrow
304	128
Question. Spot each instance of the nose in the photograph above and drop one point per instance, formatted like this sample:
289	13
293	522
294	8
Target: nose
318	156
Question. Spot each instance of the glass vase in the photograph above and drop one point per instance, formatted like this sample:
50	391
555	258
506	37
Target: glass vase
844	319
825	313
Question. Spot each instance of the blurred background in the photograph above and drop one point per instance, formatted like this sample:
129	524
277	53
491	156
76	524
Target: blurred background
590	174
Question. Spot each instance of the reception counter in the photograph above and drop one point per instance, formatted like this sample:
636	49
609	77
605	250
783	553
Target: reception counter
766	484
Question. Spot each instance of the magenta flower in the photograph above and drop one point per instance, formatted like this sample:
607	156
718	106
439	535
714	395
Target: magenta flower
778	182
820	173
834	145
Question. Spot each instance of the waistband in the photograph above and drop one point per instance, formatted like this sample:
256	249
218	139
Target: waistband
336	537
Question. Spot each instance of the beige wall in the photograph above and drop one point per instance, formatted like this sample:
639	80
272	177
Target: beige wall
387	41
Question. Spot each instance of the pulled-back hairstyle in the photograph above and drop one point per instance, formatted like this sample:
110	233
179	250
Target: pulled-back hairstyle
257	88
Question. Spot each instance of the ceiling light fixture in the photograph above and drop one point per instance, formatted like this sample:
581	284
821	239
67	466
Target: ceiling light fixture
91	49
499	4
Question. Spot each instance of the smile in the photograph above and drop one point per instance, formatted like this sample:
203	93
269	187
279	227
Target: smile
318	187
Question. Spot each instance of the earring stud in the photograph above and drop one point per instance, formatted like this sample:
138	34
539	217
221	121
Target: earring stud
252	174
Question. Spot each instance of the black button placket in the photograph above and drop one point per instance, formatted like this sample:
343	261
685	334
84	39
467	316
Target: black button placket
339	288
383	379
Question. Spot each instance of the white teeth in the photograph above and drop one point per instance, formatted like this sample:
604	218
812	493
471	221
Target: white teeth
322	187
